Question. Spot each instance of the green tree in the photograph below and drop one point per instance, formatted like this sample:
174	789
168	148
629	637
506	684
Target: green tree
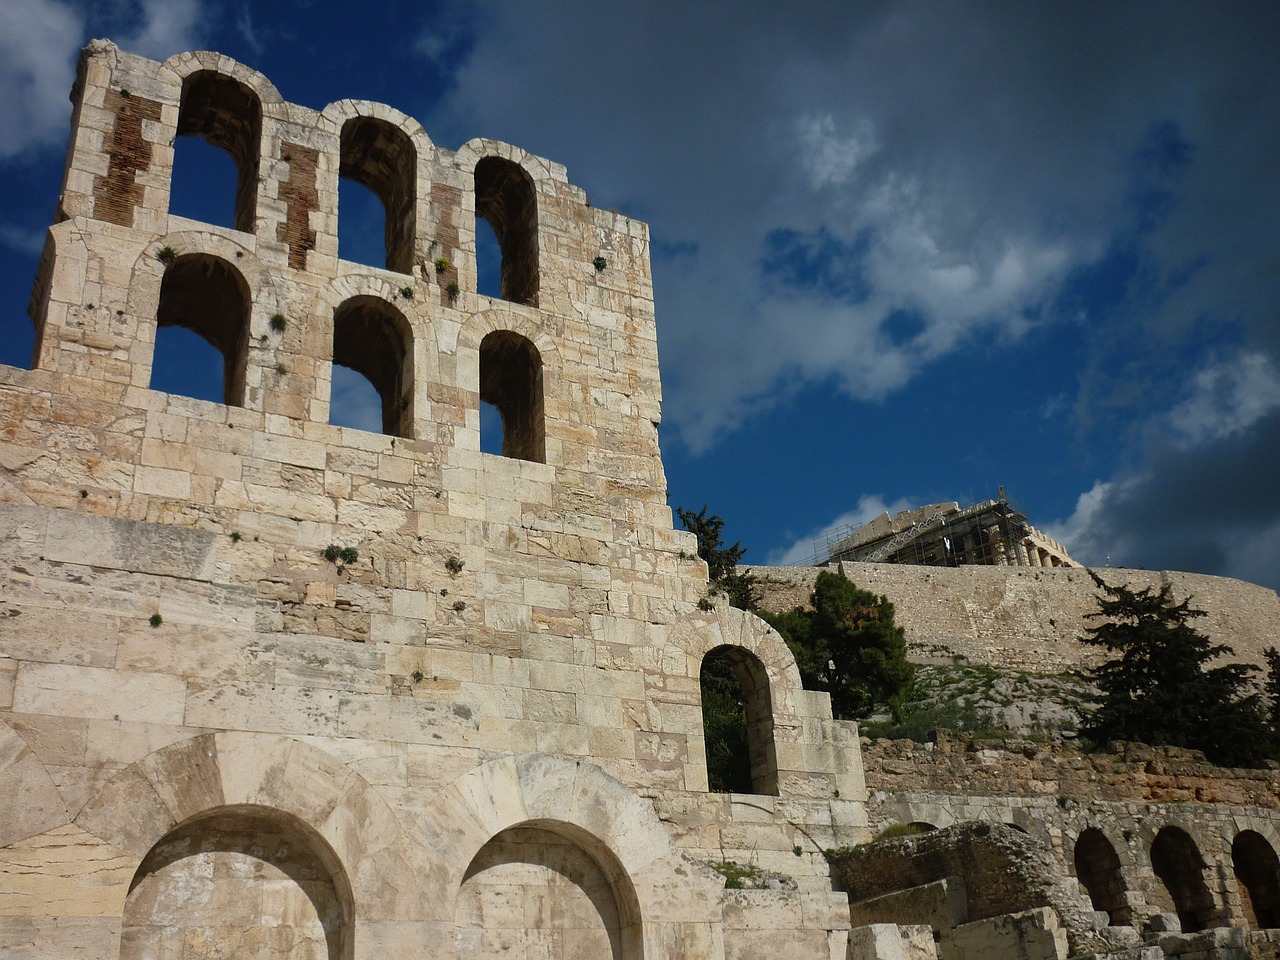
1158	688
724	724
849	646
1272	690
722	561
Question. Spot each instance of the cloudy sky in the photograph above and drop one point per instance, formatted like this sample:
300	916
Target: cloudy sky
903	252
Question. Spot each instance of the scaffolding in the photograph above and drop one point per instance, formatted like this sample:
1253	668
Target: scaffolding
990	532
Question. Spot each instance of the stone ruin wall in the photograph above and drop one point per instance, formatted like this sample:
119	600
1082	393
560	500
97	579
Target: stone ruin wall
504	665
1055	794
1024	618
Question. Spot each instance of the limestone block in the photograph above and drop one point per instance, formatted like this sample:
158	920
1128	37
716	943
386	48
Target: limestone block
124	545
43	937
888	941
1030	935
28	795
99	694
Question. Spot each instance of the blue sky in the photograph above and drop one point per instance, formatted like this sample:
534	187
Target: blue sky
903	252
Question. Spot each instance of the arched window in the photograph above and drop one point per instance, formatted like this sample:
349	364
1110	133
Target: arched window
505	198
1180	868
1258	873
206	296
553	887
737	723
381	157
1098	870
240	882
511	380
374	339
226	114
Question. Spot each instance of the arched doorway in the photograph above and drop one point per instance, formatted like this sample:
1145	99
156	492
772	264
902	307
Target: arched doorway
1257	871
737	722
1177	863
546	890
1098	870
239	882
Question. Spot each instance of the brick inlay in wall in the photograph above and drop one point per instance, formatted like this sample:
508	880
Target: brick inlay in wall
116	194
299	195
446	201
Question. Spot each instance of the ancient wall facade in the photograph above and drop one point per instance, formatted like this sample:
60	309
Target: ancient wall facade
275	687
1028	618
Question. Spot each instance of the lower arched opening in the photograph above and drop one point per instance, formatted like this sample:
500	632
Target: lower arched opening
540	890
239	882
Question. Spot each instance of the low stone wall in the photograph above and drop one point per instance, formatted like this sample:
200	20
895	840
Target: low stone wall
1029	618
1020	768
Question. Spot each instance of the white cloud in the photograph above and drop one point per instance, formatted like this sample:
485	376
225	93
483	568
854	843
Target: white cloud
1084	533
1227	397
22	239
167	27
805	548
39	40
829	158
39	43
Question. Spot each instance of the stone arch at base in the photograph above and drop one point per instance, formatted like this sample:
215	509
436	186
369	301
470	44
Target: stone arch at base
229	774
670	899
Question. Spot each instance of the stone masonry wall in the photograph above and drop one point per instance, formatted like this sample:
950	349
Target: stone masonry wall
447	677
1027	618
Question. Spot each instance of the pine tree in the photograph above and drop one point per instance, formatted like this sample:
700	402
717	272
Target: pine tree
1159	689
849	646
722	562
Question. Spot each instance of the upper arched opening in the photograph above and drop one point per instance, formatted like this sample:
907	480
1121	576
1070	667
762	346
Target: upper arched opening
511	381
226	114
373	338
207	296
507	201
381	157
737	722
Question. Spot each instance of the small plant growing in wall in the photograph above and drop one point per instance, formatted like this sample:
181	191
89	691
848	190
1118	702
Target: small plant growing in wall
442	264
166	255
459	605
335	554
278	322
705	603
599	263
418	676
454	565
406	292
453	290
156	620
235	536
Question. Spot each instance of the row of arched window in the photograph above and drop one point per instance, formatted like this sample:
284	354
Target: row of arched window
377	162
1180	868
206	296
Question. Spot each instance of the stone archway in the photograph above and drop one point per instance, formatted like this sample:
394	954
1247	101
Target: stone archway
537	890
1177	862
239	882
